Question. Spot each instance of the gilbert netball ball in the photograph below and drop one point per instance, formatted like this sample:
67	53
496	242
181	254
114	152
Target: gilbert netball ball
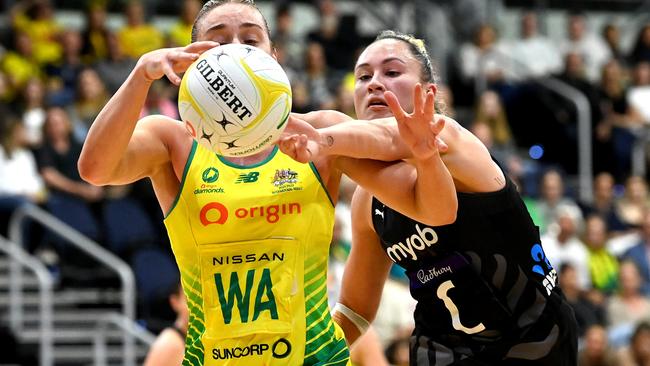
235	100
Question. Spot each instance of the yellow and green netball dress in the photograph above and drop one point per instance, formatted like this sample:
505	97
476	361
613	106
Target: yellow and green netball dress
252	246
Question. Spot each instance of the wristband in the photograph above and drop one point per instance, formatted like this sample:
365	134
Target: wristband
356	319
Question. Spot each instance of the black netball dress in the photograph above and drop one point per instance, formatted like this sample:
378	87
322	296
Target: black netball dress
486	294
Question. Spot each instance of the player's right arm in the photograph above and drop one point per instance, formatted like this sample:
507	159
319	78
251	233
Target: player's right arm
365	271
118	148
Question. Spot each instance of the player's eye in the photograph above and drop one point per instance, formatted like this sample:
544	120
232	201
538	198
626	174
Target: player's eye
363	77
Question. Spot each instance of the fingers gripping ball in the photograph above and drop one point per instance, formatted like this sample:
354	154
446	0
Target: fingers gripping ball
235	100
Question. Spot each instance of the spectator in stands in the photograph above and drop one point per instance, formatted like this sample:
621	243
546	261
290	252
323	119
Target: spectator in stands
565	111
338	36
115	69
317	78
169	346
95	33
562	243
19	64
603	266
620	119
641	49
629	306
32	107
180	33
6	91
284	37
638	351
36	19
552	197
535	54
603	204
588	311
20	181
639	92
159	101
639	253
484	57
612	36
138	37
58	159
596	350
91	98
63	75
344	98
588	45
631	207
491	112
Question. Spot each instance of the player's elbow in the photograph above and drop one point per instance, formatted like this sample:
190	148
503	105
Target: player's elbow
450	211
91	172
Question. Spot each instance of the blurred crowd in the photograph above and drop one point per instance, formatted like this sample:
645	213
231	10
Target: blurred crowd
54	80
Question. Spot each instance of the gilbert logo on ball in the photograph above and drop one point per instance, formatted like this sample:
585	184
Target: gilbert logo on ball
235	100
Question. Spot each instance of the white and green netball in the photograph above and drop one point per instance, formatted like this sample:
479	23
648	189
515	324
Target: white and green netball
235	100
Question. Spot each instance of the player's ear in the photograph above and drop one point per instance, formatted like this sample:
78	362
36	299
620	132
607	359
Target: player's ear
274	52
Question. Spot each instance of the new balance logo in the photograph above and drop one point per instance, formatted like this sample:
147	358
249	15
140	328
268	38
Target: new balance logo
379	213
247	178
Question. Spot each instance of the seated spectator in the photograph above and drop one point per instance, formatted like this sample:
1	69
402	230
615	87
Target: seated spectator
562	244
638	351
641	49
33	111
21	183
36	19
639	253
19	64
628	306
612	36
284	37
63	75
635	201
116	68
596	350
484	57
603	204
620	119
91	98
138	37
603	266
491	112
552	197
159	101
316	77
58	159
639	92
587	44
537	53
95	33
587	307
180	34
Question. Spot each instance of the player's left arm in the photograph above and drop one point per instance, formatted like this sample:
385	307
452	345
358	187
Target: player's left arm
422	189
310	136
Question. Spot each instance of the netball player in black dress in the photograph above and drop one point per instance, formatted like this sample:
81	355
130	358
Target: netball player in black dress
486	294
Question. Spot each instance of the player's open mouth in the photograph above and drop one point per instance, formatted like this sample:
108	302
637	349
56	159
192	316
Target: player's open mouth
376	103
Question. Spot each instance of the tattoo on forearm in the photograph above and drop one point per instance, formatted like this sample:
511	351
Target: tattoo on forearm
499	180
330	140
